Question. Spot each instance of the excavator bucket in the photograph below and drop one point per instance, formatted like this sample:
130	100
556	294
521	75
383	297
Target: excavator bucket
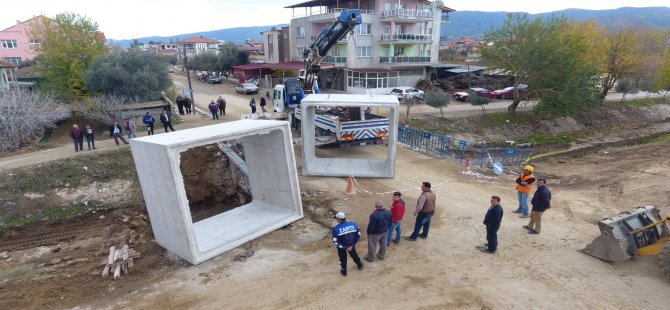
622	236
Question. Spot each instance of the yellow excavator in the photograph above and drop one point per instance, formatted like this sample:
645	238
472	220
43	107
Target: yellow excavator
641	232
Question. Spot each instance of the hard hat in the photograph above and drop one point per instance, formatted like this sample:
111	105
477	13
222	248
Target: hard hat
529	168
340	216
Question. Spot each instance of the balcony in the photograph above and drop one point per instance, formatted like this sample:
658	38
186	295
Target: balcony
337	60
407	37
404	59
408	14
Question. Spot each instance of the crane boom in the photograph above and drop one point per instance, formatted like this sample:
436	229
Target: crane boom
314	54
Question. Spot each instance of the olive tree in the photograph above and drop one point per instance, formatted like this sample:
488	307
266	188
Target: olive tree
438	99
25	115
129	73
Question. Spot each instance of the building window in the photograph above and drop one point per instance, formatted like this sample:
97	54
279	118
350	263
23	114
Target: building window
34	41
363	51
9	44
301	32
13	60
364	28
271	54
270	39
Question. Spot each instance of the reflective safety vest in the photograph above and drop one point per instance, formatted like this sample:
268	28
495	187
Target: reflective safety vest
525	189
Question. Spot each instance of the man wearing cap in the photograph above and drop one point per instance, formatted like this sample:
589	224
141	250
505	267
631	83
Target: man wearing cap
524	184
345	236
378	228
541	202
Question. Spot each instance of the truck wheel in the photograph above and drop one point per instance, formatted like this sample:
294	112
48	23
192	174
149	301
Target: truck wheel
664	259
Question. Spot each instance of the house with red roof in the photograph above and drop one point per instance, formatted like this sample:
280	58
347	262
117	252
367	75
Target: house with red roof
197	45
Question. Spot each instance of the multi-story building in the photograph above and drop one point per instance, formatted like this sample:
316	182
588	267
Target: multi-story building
397	42
276	45
196	46
17	43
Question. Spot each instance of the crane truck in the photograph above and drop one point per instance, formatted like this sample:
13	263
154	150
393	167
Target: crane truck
340	126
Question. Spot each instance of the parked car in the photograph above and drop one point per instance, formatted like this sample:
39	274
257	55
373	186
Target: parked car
254	81
508	92
465	95
214	79
407	92
246	88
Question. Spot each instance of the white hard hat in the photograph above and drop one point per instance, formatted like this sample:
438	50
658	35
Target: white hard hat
340	216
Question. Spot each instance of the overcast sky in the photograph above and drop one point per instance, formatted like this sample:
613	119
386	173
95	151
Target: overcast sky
129	19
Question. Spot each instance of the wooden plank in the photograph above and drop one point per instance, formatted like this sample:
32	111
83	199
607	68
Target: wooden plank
117	271
105	271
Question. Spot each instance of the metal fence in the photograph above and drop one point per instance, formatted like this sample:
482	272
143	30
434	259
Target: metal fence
444	146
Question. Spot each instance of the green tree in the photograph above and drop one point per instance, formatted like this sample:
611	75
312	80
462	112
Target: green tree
68	45
438	99
662	80
129	73
204	62
478	100
518	48
620	57
229	56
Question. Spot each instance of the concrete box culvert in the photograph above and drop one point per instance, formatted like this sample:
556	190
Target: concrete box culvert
273	182
343	167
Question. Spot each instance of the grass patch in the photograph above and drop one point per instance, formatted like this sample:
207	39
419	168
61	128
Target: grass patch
661	139
563	138
503	118
646	102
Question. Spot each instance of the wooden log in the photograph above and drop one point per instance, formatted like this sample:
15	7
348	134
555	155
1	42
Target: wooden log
124	263
105	271
110	259
117	271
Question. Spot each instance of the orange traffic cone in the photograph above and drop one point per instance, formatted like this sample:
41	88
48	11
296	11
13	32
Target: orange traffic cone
350	187
467	166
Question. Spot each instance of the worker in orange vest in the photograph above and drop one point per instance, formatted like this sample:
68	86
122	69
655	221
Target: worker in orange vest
524	184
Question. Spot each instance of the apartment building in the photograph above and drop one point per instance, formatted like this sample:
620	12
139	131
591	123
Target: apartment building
196	46
276	45
17	43
397	42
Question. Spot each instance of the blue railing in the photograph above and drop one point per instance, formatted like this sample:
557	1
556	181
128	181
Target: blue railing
444	146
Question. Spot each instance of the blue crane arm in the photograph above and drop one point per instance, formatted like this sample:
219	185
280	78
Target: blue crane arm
313	55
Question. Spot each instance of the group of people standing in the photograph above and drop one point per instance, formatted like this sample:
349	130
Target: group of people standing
184	103
217	108
116	130
383	223
381	227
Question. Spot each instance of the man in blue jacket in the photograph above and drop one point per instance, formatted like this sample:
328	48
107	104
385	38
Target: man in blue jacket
492	221
345	236
541	202
378	227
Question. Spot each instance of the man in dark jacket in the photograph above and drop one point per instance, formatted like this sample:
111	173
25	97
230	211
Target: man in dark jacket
77	136
378	227
492	221
345	236
116	132
541	202
149	120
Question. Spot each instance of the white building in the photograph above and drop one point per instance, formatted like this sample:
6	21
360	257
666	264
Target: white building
394	46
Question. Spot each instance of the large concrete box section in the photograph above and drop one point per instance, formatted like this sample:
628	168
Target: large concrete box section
373	168
273	182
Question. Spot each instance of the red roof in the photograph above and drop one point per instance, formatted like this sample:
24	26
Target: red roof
198	40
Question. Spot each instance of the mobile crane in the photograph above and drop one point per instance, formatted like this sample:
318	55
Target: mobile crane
341	126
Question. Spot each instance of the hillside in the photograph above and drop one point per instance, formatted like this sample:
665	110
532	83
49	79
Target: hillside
475	23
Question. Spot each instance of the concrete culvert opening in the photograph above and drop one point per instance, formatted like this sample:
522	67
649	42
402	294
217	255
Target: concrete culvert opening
213	182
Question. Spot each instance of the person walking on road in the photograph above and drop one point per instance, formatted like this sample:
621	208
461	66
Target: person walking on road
345	236
77	136
378	228
90	137
116	132
541	202
425	208
222	106
180	104
213	109
252	104
129	126
397	212
187	105
263	105
149	120
165	119
492	221
524	184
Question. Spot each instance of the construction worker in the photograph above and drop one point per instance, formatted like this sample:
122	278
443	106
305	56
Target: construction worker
345	236
524	184
541	202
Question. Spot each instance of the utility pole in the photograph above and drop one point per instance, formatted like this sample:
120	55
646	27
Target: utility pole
188	77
